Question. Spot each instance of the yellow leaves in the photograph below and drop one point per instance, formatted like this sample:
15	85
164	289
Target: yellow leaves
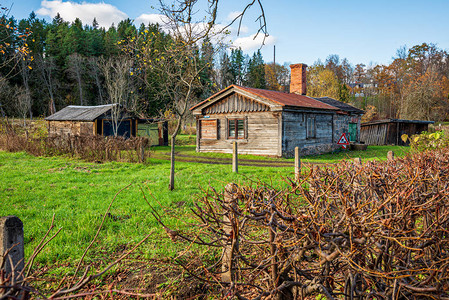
29	67
404	138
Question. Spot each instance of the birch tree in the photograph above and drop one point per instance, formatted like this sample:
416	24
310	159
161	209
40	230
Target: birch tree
47	66
118	72
76	69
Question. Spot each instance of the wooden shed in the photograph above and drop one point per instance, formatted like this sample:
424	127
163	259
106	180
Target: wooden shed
267	122
389	131
91	120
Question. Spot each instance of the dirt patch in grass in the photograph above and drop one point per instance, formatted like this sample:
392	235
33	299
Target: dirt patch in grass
158	278
228	161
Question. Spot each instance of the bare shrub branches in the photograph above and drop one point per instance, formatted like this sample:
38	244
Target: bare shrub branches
91	148
373	231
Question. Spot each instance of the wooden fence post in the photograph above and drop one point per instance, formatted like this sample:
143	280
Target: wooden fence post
235	159
390	155
297	164
227	266
11	241
142	152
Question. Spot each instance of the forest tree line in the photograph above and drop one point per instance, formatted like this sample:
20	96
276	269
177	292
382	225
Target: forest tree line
70	63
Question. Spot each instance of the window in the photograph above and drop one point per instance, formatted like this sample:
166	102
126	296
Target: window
311	127
236	129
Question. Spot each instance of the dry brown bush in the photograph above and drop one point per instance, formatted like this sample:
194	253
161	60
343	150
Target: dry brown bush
372	231
90	148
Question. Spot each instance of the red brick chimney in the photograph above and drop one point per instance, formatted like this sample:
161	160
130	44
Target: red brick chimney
298	82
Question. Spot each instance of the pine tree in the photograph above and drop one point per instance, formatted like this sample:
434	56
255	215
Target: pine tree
225	77
237	66
256	71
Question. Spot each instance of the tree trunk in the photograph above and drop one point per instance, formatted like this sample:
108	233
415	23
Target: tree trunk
80	88
171	185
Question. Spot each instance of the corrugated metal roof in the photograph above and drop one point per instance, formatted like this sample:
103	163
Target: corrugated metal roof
281	98
289	99
341	105
397	121
80	113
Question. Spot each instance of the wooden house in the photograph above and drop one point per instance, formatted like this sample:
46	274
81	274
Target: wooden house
389	131
265	122
97	120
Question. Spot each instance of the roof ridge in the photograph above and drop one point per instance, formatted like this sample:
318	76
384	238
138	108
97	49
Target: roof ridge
92	106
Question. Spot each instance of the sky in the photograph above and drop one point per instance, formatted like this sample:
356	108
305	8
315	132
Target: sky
302	31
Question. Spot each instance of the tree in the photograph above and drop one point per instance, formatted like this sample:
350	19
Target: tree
117	72
225	72
180	64
23	103
238	67
426	97
94	72
208	77
333	63
256	71
322	82
277	77
76	68
46	67
359	73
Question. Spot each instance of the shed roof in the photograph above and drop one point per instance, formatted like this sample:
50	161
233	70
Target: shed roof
341	105
80	113
279	98
397	121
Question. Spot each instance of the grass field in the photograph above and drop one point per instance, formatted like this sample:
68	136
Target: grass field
78	193
372	153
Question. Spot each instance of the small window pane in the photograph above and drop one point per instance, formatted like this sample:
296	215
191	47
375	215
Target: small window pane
241	129
232	128
311	128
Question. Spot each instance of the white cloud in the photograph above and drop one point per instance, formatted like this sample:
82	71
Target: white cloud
244	29
253	42
105	14
150	18
232	15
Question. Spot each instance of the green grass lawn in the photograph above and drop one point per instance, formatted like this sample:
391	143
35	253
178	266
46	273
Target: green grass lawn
78	193
372	153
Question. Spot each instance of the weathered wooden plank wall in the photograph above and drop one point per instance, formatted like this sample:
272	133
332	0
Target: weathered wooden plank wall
262	134
236	103
295	133
209	129
375	134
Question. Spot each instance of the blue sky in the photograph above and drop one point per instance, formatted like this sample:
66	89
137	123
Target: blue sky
303	31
